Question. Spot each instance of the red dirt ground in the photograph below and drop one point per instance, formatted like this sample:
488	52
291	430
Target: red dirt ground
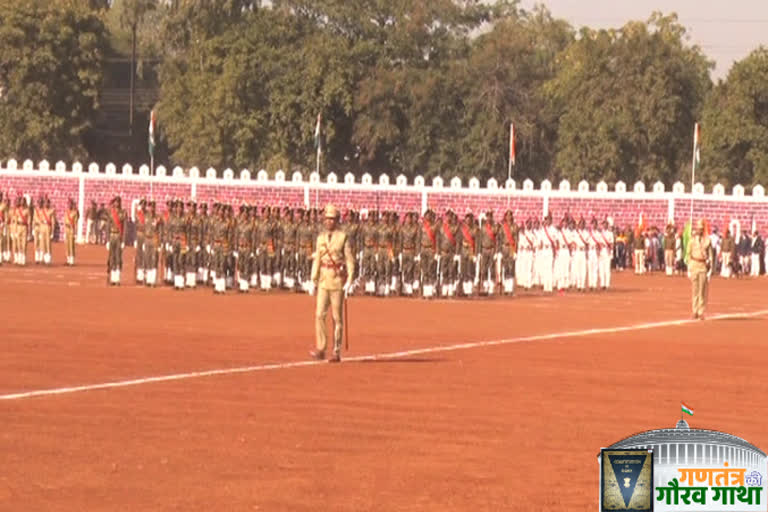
508	427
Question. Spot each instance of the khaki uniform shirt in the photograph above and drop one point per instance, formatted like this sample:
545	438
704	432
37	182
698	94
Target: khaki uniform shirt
698	253
334	263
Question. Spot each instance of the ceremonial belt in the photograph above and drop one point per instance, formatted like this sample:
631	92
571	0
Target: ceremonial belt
489	232
468	236
508	234
430	233
449	233
116	219
47	218
700	260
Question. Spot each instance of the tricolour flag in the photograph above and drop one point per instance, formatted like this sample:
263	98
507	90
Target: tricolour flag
152	133
696	146
318	144
686	409
512	143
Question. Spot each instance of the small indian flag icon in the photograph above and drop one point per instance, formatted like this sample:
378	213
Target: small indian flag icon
686	409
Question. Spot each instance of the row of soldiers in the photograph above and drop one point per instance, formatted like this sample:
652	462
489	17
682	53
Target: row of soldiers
23	218
429	256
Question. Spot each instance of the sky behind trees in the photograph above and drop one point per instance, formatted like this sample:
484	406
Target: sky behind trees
726	31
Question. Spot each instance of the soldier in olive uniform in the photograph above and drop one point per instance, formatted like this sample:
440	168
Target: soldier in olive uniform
153	225
305	239
409	239
220	244
385	254
508	246
267	244
427	247
5	249
138	260
289	252
116	242
70	230
468	254
177	233
244	248
332	271
488	243
447	248
204	257
369	234
167	252
193	257
727	254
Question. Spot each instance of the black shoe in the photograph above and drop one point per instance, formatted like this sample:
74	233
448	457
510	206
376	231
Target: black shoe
317	354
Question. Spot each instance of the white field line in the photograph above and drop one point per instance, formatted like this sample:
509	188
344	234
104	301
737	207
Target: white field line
371	357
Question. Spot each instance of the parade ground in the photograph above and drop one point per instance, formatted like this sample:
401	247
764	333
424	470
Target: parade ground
135	399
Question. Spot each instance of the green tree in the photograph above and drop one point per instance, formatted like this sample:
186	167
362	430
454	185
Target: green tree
51	68
734	127
628	100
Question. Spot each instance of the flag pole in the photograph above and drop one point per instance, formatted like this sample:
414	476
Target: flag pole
511	157
693	164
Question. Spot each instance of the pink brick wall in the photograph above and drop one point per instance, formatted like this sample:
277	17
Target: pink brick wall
259	194
358	199
623	211
461	203
103	189
719	213
58	188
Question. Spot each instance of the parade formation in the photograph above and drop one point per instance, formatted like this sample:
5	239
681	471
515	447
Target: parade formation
262	248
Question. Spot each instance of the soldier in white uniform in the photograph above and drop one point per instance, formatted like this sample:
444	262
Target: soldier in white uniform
524	252
604	258
562	258
580	256
593	248
546	265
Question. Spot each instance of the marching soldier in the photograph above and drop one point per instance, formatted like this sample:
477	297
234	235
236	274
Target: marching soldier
70	230
447	245
289	253
267	246
141	221
427	246
593	249
220	237
488	242
277	237
409	237
204	257
508	246
244	248
176	247
368	264
193	257
168	242
699	268
468	254
385	255
153	225
332	271
305	239
604	258
4	242
21	231
92	223
37	231
116	229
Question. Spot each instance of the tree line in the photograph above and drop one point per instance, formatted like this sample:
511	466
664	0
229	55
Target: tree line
403	86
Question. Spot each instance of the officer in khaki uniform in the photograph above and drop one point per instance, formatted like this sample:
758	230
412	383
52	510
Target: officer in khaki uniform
70	230
332	271
698	268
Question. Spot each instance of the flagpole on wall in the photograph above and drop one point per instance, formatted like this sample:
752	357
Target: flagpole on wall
317	157
694	158
511	157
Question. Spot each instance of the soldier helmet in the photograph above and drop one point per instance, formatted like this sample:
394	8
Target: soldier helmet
331	212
